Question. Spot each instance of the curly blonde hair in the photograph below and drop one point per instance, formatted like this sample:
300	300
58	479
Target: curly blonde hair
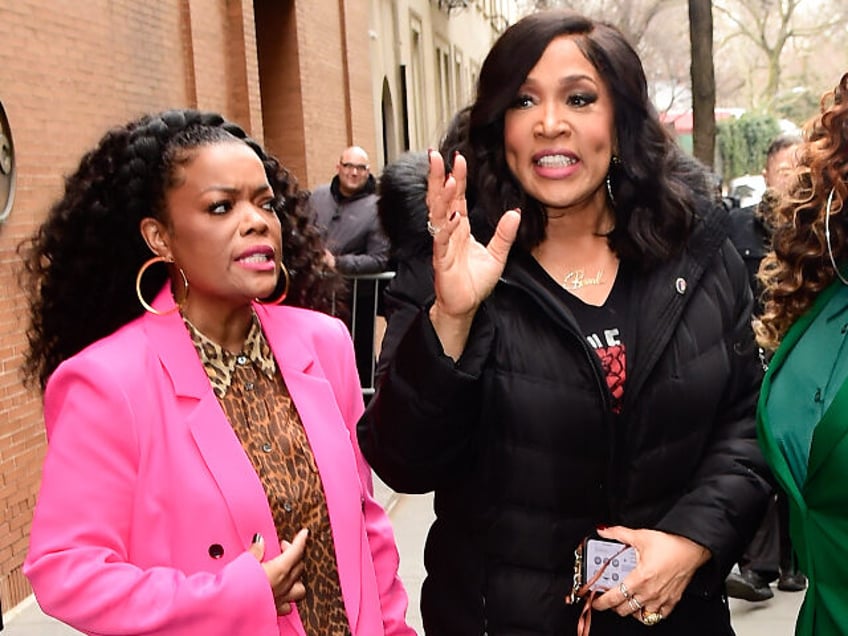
799	266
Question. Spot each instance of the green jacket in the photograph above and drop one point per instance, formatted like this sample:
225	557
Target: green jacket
819	506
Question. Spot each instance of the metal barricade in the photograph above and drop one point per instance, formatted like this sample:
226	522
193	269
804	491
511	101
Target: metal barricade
372	346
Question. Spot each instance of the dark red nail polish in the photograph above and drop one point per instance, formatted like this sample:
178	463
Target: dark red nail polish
601	527
453	215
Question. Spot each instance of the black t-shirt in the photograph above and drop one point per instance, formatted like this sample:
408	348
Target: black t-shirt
605	328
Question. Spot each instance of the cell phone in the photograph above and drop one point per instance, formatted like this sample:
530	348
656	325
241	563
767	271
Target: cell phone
613	559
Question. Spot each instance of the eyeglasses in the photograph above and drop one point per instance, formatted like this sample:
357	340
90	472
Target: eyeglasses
355	166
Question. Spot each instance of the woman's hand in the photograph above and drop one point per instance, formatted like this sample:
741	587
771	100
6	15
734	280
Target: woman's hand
665	565
284	571
465	271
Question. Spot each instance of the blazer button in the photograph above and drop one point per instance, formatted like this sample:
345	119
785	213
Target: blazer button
287	506
216	550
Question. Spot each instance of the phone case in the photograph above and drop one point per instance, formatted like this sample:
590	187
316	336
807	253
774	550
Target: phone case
607	562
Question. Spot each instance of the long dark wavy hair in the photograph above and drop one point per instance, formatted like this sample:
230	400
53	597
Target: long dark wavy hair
799	267
80	265
655	187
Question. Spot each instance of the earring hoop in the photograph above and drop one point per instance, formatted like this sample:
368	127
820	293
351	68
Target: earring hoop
609	190
282	296
614	161
147	306
827	236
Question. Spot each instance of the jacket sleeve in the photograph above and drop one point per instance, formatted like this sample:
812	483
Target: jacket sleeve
378	528
79	562
420	426
724	504
376	256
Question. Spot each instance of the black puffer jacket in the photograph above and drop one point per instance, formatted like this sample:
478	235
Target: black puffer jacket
751	236
526	457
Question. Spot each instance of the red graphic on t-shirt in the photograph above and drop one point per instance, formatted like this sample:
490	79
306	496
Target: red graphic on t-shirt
613	363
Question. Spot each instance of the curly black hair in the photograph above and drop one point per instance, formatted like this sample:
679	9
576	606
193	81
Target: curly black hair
656	187
81	263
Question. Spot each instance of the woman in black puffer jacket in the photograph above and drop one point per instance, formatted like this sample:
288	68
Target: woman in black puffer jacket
591	367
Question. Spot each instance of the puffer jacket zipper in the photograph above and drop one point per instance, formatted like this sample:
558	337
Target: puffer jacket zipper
563	317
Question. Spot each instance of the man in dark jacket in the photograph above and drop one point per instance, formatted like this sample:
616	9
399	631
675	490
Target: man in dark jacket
770	555
345	211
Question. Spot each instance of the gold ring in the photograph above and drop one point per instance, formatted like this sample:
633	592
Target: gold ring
624	591
651	618
634	604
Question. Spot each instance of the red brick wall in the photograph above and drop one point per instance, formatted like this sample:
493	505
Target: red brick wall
282	103
69	70
335	83
360	86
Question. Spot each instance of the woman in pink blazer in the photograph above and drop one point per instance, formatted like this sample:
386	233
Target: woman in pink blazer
202	473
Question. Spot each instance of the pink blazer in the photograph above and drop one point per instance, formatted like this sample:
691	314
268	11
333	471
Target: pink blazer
145	483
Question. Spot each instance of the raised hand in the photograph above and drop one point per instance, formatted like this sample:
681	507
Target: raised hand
284	571
465	271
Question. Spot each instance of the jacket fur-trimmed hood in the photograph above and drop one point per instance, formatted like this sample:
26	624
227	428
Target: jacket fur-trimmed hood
402	208
402	205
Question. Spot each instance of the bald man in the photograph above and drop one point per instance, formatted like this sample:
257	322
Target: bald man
345	212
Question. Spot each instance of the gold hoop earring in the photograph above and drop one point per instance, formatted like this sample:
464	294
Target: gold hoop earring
282	296
147	306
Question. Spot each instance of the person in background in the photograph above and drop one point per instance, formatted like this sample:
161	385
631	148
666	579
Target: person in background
803	406
202	473
751	227
345	211
586	363
402	208
770	556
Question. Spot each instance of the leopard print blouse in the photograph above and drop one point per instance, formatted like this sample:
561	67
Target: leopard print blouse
257	403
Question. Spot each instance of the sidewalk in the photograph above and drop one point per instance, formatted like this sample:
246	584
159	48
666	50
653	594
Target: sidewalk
411	516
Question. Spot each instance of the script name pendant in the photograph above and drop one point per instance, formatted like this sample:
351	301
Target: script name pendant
577	279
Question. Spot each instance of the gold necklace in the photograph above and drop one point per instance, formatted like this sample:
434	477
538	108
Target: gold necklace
577	279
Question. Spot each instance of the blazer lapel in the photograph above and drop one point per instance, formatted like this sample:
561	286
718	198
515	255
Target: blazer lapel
780	466
216	441
771	450
199	409
330	442
828	431
833	425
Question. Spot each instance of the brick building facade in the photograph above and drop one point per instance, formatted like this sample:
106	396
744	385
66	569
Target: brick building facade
70	69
